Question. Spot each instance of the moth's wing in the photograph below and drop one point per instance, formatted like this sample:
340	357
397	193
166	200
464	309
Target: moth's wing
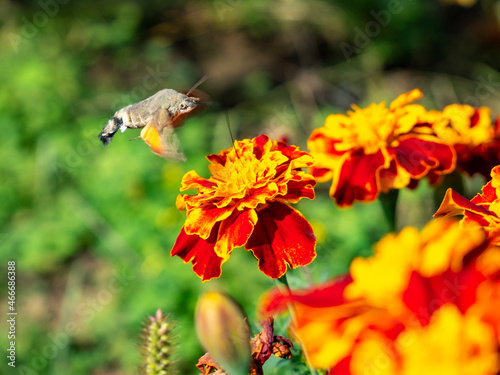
171	145
160	136
143	112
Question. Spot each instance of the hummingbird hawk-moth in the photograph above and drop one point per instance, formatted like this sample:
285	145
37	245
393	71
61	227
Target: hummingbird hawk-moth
158	116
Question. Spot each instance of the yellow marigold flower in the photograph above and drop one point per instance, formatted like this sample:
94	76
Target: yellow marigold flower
383	279
377	148
244	203
426	302
463	124
452	343
471	133
482	211
487	304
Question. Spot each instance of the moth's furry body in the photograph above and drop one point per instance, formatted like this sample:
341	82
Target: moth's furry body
138	115
157	115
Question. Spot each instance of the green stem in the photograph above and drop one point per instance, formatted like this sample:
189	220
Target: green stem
283	280
389	202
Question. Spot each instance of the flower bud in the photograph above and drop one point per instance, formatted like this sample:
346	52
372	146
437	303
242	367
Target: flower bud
223	332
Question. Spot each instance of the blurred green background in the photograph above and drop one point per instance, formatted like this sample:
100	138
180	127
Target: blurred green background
91	228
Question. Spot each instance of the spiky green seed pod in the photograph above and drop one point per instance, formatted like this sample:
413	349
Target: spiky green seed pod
157	346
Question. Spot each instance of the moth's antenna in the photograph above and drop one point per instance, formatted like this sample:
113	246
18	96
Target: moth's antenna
229	126
231	134
202	79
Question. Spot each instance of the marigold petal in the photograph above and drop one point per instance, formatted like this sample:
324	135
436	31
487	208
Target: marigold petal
220	158
447	158
298	158
471	220
424	295
452	343
281	237
417	296
382	278
299	187
394	177
260	196
464	286
321	174
234	232
487	305
446	244
410	119
194	249
358	179
367	354
322	295
192	180
454	204
262	142
466	126
418	156
406	98
180	203
201	221
487	196
321	141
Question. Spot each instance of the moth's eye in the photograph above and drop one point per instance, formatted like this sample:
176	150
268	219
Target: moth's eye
183	106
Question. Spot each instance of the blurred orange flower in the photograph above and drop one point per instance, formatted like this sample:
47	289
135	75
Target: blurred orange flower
470	131
377	149
244	203
482	211
425	303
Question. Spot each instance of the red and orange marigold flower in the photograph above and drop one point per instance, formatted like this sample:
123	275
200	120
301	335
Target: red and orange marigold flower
244	203
470	131
426	303
376	149
481	211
